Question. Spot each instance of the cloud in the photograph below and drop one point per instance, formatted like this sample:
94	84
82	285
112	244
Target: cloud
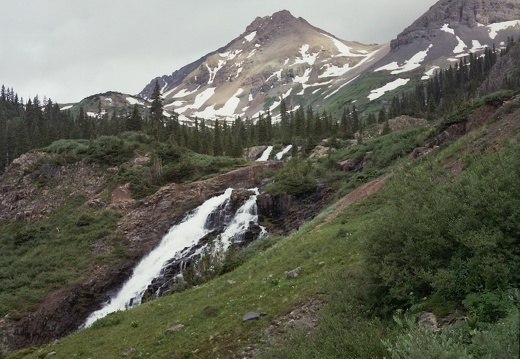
69	50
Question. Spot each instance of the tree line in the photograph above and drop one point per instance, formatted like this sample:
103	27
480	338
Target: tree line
36	124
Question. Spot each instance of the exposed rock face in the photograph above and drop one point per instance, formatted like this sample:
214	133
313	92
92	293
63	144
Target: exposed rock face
470	13
30	190
286	213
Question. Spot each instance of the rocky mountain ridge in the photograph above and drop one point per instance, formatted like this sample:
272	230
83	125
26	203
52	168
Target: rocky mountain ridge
277	57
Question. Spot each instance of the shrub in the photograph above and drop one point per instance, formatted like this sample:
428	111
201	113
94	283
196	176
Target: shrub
109	150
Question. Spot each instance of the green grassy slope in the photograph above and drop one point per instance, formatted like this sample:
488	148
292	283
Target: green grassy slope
206	321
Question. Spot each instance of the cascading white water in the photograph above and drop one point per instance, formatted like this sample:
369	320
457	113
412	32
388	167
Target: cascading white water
183	235
246	214
265	154
280	154
173	245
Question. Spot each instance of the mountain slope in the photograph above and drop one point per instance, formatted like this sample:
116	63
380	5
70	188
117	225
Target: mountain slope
449	31
277	57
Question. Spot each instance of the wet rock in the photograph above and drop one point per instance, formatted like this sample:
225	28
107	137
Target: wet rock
255	152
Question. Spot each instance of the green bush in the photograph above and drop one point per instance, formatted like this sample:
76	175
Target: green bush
447	238
109	150
73	146
489	306
296	178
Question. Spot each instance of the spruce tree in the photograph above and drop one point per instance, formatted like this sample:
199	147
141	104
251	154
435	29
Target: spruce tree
134	122
156	112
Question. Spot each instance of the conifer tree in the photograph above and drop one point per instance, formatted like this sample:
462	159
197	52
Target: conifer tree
355	120
134	122
156	111
217	140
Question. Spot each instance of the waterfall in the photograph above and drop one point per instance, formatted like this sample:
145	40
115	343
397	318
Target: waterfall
265	154
280	154
176	243
246	214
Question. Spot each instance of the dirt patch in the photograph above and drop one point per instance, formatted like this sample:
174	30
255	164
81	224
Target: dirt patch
364	191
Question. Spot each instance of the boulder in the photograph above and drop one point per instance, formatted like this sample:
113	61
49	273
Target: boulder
252	316
294	273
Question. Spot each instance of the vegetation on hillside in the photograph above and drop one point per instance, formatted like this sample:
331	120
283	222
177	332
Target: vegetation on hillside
432	240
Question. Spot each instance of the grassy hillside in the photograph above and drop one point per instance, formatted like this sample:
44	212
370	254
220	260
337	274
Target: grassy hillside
440	237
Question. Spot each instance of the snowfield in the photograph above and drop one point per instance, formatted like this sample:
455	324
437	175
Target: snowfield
409	65
133	101
460	46
377	93
199	100
250	37
429	73
494	28
335	71
213	72
306	57
446	28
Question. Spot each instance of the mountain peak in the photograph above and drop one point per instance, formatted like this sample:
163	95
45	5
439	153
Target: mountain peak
282	19
277	57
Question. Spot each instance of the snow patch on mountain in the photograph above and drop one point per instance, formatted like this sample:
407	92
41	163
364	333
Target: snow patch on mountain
343	49
304	78
306	57
228	110
340	87
429	73
477	46
496	27
460	46
277	74
199	100
213	72
377	93
134	101
446	28
335	71
66	107
184	92
250	37
230	55
408	65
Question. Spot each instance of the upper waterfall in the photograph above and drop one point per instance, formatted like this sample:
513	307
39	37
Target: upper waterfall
177	243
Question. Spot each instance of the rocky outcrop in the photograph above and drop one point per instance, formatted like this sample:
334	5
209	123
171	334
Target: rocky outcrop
284	213
470	13
31	189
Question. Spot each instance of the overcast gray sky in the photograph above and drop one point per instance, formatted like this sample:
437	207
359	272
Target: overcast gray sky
67	50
